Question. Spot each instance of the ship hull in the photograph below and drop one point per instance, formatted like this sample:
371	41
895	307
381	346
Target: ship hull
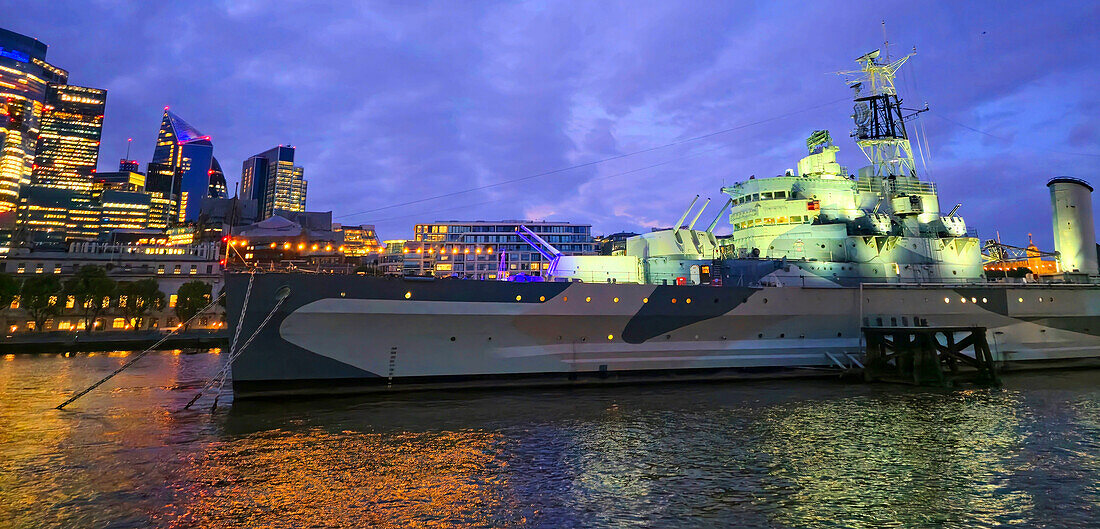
352	333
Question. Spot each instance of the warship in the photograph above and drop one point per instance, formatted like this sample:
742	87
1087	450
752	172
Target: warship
817	259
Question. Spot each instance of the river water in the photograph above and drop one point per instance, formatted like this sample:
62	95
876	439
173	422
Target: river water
746	454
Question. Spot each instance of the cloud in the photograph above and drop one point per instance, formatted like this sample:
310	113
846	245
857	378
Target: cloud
389	103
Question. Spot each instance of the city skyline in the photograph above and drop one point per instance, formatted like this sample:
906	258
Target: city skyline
388	122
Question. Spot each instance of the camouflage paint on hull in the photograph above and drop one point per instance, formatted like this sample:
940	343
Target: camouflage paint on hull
349	332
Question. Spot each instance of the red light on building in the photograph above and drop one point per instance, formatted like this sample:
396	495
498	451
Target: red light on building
813	205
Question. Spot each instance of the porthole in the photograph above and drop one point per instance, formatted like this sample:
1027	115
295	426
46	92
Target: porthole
542	298
973	300
761	335
688	300
947	300
765	300
645	300
616	300
588	300
1040	300
984	300
782	335
343	294
408	295
565	298
716	300
519	298
674	300
962	300
452	338
611	337
1021	300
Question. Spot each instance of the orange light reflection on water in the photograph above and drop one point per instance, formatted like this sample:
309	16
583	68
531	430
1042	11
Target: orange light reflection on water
347	479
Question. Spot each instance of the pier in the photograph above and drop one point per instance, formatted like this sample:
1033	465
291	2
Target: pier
923	356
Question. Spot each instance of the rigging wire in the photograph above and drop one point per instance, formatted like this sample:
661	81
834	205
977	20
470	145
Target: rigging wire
595	162
994	136
596	179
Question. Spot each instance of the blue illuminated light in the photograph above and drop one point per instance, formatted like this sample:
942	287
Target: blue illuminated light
16	55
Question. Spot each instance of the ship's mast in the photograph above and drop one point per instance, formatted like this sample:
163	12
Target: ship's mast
880	125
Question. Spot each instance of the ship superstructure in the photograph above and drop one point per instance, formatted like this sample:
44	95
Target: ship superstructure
883	224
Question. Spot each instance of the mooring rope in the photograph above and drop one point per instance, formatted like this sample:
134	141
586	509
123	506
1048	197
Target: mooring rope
138	356
224	373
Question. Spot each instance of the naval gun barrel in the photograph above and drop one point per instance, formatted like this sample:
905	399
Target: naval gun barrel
722	211
685	215
700	214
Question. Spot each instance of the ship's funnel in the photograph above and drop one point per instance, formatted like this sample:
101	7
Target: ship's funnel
685	215
1074	231
700	214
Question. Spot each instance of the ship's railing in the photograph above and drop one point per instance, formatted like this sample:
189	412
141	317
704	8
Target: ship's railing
876	185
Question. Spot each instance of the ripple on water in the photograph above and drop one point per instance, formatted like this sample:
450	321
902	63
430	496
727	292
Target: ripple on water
760	454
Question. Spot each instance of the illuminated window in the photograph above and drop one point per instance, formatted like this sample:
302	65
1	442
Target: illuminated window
195	268
118	323
160	269
70	302
122	301
38	268
176	270
172	301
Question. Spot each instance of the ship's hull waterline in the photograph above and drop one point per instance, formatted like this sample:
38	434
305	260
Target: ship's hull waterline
352	333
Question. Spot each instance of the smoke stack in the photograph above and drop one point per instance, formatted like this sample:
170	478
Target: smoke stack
1074	231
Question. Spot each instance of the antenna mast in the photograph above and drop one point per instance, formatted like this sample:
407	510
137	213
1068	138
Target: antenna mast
880	125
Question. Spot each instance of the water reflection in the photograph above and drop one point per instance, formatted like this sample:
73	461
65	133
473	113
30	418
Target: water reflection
781	454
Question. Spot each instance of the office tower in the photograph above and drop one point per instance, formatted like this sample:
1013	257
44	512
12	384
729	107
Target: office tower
24	76
68	137
45	214
183	168
123	210
218	187
130	166
272	179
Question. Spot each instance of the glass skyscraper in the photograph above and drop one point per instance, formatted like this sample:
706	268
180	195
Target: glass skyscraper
24	77
184	169
272	179
68	137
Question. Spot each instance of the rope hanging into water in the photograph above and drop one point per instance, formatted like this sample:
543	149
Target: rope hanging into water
139	355
220	378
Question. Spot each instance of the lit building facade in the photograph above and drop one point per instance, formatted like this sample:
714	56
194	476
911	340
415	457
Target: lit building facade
24	78
183	169
68	139
170	267
479	250
308	242
359	241
123	210
272	179
120	181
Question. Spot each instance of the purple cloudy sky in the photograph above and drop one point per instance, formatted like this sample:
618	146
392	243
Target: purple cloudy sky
394	102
